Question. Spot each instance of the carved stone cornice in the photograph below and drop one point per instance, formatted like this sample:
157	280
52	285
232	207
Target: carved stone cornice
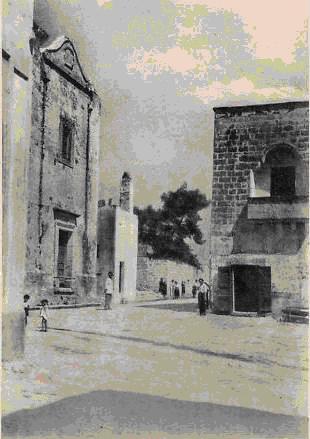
62	57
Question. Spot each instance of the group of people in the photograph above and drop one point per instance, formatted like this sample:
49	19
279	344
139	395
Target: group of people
200	288
176	290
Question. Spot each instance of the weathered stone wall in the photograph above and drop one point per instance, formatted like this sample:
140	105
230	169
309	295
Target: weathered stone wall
242	138
151	270
106	246
54	186
17	21
117	242
126	249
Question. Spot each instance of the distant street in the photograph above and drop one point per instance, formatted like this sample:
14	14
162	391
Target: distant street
157	370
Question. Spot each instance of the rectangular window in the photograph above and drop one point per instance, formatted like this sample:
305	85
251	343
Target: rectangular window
282	181
66	140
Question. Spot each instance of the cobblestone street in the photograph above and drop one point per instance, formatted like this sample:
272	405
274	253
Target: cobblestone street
157	370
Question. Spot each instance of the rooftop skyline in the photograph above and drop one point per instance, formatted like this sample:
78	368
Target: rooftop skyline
160	67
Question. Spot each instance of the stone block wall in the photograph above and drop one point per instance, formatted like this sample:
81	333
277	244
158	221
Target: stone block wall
243	136
151	270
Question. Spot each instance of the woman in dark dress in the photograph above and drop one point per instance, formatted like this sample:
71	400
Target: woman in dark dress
164	286
176	291
183	288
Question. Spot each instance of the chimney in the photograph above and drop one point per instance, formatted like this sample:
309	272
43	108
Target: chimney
126	193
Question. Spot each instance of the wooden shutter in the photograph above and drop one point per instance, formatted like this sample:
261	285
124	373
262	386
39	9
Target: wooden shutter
223	295
264	288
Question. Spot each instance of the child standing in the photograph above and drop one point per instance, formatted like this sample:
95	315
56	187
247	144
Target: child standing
44	314
26	307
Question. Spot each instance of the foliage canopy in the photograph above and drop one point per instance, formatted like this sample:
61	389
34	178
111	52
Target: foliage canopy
170	229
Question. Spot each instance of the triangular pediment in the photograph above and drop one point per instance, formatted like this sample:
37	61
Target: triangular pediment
62	55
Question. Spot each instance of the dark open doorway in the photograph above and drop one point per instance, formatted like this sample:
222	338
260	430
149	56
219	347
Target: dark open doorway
252	288
64	259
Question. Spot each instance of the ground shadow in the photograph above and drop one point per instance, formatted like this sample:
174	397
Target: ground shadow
227	355
128	412
179	307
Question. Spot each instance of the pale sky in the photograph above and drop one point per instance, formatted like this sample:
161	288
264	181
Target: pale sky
160	66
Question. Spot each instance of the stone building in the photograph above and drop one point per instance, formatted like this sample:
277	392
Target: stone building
118	243
16	123
259	224
63	165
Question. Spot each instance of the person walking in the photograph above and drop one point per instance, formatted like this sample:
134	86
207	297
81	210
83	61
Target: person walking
108	291
202	293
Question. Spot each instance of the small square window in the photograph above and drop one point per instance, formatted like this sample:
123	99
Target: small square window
66	140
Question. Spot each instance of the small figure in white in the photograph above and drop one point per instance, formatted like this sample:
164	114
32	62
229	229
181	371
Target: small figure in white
108	291
44	314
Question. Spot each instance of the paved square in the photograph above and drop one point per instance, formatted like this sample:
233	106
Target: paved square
157	370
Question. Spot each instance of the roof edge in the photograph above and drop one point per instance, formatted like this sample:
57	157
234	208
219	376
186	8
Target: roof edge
249	107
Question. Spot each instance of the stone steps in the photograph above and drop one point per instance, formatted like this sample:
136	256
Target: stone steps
295	315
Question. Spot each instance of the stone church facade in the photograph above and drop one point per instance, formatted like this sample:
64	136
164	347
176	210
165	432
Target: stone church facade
63	183
259	224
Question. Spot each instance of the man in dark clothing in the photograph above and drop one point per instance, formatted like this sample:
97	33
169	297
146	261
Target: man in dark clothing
202	295
162	287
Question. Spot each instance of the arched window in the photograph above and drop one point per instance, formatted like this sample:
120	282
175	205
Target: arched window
282	174
282	162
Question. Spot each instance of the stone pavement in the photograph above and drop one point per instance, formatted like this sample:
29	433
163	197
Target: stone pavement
157	370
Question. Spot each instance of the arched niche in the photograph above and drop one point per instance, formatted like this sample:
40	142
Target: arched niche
281	173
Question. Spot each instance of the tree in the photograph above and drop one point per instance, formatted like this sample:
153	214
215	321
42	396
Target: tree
170	229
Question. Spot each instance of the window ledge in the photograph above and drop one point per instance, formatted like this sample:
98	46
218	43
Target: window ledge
279	199
278	208
64	162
